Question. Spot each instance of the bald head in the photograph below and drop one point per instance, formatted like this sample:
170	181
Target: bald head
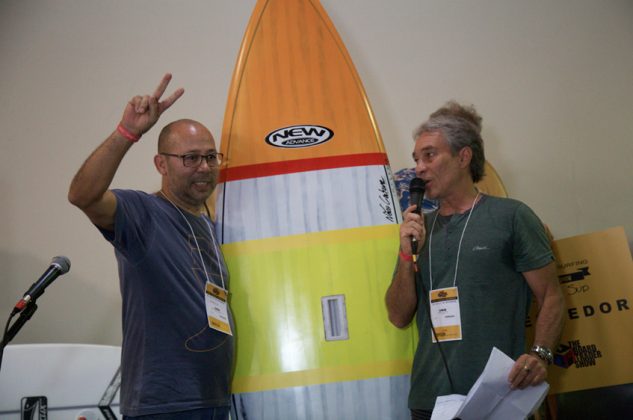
172	132
186	185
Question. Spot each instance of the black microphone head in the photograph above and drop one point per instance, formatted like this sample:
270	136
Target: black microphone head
62	263
416	193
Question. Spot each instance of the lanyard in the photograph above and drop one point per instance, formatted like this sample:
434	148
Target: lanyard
459	248
215	247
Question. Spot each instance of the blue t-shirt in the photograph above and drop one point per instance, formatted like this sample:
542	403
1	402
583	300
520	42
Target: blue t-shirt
171	360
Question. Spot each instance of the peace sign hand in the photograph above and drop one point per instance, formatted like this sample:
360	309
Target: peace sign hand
142	112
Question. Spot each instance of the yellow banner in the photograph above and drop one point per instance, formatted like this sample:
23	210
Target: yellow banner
596	274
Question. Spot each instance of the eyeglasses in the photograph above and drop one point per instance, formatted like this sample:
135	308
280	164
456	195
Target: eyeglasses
193	160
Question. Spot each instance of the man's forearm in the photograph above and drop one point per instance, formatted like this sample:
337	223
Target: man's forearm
550	320
401	297
95	175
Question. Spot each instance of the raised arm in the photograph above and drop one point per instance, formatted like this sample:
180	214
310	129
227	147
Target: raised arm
401	297
89	188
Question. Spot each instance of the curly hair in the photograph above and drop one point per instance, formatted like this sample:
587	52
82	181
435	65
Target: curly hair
460	126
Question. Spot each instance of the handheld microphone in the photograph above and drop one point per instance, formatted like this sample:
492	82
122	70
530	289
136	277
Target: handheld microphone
416	195
59	265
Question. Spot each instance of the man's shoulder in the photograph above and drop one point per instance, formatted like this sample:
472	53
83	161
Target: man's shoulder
513	210
135	196
506	203
125	193
135	200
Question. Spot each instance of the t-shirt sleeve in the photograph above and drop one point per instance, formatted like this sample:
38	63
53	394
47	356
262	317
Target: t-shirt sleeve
132	224
531	248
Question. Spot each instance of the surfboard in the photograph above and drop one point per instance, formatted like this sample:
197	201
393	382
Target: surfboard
491	183
59	381
308	219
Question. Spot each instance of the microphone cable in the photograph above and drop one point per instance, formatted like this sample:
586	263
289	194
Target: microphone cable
4	341
10	330
427	307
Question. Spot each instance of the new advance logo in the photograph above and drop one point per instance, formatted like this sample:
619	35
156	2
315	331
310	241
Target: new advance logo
299	136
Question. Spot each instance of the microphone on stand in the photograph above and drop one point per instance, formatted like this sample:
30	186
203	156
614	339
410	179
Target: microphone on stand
59	265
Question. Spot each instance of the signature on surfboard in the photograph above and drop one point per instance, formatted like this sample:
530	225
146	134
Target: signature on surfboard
385	203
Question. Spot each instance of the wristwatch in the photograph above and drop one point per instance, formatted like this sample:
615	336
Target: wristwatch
543	353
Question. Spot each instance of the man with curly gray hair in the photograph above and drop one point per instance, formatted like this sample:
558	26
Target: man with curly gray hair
480	260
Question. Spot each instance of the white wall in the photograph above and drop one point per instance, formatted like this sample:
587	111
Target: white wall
553	81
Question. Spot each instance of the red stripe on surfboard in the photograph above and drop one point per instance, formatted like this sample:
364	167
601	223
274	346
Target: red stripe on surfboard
301	165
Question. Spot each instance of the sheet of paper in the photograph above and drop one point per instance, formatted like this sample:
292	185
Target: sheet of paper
446	406
491	396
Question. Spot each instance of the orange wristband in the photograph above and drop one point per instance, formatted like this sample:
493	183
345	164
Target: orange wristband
405	257
127	134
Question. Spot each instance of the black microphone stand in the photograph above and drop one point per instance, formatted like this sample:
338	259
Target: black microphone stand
10	332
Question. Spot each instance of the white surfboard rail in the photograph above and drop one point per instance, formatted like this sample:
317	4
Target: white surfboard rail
72	377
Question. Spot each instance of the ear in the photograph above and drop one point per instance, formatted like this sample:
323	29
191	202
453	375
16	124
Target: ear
161	165
465	156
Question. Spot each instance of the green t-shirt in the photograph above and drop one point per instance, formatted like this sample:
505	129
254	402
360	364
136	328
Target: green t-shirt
503	238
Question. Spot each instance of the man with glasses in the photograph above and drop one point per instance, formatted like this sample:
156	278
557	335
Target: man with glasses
177	351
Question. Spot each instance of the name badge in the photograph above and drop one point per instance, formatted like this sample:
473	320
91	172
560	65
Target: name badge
445	316
217	308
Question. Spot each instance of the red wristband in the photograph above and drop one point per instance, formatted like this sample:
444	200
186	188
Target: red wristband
127	134
405	257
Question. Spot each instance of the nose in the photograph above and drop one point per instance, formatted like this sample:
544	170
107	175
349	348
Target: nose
204	165
420	168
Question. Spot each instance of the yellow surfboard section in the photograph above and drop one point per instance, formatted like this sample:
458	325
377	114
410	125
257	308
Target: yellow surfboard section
491	183
279	321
